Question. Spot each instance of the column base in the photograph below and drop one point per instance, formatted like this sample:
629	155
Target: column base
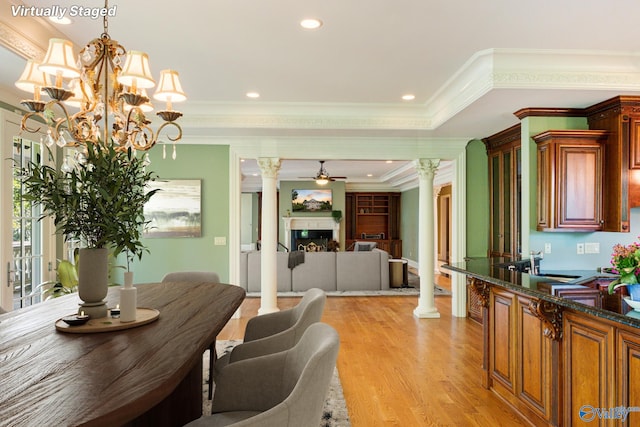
426	314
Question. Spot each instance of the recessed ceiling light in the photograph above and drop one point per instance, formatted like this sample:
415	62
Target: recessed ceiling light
253	95
311	23
389	161
408	97
369	175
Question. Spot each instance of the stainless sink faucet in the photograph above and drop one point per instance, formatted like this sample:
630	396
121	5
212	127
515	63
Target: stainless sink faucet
534	269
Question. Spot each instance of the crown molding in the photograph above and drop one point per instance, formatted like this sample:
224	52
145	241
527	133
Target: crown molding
485	71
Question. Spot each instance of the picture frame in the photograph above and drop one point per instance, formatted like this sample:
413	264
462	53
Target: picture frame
313	200
175	210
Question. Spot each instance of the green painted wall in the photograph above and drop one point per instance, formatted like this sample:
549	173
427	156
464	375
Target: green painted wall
409	226
338	188
210	163
477	199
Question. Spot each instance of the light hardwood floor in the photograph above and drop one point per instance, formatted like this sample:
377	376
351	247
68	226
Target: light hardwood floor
397	370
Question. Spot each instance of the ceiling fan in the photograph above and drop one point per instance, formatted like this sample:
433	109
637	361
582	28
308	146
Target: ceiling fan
323	177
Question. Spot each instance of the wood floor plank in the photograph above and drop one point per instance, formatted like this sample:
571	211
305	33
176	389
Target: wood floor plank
397	370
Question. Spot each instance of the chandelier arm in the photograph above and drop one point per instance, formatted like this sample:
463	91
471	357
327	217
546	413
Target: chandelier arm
177	126
61	120
25	118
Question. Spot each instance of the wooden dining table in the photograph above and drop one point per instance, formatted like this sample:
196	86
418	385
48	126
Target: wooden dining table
150	375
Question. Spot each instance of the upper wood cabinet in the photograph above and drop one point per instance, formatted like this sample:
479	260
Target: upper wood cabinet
505	204
621	117
570	175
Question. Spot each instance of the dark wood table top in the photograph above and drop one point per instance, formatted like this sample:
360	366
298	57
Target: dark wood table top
48	377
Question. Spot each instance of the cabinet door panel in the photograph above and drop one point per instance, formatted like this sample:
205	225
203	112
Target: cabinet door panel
580	168
534	361
502	343
629	374
589	362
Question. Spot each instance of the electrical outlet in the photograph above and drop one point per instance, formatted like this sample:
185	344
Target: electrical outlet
547	248
592	248
580	249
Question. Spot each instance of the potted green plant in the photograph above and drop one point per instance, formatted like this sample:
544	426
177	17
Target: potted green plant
626	262
66	281
100	202
337	215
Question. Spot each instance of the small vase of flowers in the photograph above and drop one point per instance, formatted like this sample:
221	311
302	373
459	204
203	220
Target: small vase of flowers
626	262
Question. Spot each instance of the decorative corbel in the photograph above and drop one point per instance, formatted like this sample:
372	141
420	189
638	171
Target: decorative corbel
482	289
551	316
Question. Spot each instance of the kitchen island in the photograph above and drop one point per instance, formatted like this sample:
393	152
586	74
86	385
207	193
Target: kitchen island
559	361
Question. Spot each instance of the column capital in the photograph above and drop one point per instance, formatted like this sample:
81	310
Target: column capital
426	167
269	166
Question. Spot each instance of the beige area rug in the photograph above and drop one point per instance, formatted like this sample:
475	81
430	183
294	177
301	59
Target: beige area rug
334	414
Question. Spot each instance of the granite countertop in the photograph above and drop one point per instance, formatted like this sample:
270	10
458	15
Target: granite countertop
493	270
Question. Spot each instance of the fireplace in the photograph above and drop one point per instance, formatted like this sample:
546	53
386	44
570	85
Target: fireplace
304	230
301	238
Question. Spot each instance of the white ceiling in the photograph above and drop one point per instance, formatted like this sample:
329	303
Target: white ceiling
470	64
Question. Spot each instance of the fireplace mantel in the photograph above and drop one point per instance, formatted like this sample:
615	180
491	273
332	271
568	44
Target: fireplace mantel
309	223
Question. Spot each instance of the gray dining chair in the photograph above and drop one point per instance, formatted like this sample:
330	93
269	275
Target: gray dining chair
285	389
198	276
279	331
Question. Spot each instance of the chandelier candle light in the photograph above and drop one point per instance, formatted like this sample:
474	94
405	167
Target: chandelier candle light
109	86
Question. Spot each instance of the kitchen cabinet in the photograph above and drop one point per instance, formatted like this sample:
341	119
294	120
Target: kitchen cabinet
521	357
570	177
505	205
589	362
621	117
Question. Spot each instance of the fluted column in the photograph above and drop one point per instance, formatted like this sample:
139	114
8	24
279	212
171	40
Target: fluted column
426	169
269	168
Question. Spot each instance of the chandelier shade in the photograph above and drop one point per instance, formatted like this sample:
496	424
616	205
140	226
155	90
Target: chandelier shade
60	60
136	72
110	96
169	88
32	80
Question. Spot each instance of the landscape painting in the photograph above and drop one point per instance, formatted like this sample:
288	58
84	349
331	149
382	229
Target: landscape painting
174	211
311	200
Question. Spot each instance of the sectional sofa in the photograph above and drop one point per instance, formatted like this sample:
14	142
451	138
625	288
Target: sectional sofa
330	271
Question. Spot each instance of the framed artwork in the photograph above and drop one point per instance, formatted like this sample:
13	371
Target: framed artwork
311	200
175	210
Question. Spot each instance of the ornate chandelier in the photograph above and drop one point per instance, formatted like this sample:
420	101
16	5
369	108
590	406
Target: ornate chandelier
108	84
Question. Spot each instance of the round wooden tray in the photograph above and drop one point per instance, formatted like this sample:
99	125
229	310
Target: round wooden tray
108	324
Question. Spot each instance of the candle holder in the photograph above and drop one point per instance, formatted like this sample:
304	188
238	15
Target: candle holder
76	319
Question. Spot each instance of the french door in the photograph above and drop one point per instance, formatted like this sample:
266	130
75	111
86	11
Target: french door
28	245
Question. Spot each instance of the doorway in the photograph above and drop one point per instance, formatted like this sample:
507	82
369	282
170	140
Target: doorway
444	228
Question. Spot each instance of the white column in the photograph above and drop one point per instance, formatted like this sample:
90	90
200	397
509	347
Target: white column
436	208
426	303
269	167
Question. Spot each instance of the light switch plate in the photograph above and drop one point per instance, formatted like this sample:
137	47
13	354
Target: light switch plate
220	241
547	248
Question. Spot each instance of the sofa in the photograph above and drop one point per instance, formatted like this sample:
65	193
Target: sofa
330	271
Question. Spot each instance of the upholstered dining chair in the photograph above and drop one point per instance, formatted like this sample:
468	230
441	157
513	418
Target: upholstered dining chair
279	331
198	276
285	389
